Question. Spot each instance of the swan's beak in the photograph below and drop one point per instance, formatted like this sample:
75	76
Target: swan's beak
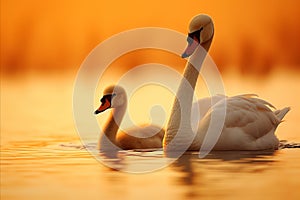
97	112
192	46
104	106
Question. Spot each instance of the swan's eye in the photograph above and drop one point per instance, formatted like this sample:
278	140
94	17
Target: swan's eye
108	97
194	36
113	95
102	100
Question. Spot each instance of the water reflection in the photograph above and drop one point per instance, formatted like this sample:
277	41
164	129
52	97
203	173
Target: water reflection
112	159
135	161
203	177
144	161
42	157
149	160
225	161
29	163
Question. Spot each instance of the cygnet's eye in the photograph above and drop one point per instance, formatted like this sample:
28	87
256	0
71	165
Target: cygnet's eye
102	100
108	97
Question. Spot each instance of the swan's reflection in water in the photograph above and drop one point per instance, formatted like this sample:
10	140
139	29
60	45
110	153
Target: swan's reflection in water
212	175
135	161
226	161
219	174
111	159
143	161
230	174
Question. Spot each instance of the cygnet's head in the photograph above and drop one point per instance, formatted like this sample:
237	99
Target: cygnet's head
113	97
201	30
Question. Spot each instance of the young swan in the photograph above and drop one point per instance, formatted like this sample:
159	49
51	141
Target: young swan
146	137
249	122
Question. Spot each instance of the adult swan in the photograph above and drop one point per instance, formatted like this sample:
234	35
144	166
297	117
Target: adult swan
249	123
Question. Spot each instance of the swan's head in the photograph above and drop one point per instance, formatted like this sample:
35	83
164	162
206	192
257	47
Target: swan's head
113	97
201	30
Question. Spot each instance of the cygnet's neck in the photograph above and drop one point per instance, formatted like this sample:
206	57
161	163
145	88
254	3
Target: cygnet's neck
114	121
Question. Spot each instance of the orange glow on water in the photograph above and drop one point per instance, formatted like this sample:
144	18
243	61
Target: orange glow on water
37	126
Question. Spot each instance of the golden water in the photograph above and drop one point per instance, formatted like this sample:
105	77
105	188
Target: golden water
42	156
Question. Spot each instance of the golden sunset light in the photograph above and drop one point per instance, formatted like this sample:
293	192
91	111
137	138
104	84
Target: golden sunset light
105	100
253	36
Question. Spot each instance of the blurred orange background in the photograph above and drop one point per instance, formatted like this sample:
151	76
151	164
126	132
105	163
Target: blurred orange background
43	44
255	46
251	36
53	38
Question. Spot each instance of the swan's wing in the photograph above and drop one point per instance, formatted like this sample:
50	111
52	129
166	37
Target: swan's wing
201	107
249	124
252	116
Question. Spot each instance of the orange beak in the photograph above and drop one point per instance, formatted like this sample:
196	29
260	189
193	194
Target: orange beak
104	106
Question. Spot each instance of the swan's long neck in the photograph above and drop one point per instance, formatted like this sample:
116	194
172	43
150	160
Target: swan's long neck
180	118
112	126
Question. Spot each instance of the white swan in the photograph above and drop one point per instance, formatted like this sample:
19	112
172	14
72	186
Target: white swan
249	122
145	137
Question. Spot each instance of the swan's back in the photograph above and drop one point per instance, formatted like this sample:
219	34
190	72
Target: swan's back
145	137
249	124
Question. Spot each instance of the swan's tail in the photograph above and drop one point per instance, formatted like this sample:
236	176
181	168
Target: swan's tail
281	113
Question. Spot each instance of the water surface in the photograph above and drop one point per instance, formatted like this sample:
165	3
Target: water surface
42	156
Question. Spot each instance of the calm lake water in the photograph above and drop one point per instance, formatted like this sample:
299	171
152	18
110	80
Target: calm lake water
42	156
